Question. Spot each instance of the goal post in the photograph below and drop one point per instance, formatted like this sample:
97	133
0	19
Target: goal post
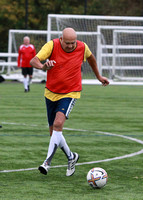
37	37
102	45
128	54
99	33
106	49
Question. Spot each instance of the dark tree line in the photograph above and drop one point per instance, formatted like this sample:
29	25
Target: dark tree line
13	12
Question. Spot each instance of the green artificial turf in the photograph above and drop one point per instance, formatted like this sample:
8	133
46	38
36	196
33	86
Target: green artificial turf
101	112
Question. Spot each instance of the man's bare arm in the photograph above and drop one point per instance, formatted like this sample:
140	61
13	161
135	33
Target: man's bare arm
35	62
92	62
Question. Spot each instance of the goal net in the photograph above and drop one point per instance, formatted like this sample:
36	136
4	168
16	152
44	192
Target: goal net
128	54
98	33
38	38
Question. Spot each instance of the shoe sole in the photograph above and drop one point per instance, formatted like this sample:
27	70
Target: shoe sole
42	170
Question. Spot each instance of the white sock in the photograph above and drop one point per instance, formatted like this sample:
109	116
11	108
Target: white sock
53	145
29	81
57	139
25	82
63	145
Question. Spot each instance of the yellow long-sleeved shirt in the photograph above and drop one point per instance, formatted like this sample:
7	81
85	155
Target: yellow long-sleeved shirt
44	54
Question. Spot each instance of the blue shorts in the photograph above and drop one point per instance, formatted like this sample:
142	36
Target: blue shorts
64	105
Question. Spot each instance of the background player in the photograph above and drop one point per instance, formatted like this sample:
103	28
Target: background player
25	54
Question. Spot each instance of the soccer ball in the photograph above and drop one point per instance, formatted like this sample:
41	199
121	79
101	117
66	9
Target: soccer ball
97	177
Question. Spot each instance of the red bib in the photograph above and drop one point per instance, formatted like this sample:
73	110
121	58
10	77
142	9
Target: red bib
65	76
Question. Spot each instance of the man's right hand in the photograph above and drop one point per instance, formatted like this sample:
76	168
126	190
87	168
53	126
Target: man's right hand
48	65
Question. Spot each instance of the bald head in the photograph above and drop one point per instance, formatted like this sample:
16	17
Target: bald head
69	33
68	39
26	40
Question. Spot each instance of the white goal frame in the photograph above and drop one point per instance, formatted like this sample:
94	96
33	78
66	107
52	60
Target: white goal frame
12	72
127	55
112	47
100	45
10	65
104	51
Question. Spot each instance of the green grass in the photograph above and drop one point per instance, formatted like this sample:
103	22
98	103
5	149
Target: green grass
24	140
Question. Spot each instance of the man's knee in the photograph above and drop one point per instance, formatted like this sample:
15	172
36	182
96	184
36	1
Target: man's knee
59	121
58	124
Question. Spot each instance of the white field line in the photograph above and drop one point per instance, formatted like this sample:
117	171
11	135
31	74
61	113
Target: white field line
78	164
91	162
18	124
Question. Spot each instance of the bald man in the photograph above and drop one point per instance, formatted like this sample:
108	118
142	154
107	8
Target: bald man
63	87
25	53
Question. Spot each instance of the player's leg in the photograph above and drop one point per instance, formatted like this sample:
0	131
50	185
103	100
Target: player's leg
65	107
50	105
62	110
57	139
25	81
56	136
72	157
30	73
50	130
57	113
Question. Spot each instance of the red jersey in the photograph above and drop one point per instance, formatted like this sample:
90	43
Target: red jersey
65	76
25	54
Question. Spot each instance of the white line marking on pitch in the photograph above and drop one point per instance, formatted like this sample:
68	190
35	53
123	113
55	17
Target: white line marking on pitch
92	162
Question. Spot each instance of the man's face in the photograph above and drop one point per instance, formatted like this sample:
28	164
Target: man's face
68	45
26	41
